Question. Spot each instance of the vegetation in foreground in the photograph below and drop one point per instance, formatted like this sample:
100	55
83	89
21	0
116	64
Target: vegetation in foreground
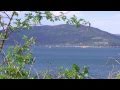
19	56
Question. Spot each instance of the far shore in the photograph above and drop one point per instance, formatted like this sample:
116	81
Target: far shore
57	46
74	46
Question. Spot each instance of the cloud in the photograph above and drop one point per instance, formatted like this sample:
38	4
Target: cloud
68	13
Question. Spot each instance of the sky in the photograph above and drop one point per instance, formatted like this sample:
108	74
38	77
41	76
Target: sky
105	20
108	21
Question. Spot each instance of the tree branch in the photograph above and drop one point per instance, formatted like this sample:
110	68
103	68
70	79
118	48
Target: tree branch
6	32
6	14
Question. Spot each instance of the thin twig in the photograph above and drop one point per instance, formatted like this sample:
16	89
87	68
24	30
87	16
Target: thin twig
111	73
6	14
36	73
31	67
117	61
5	59
61	14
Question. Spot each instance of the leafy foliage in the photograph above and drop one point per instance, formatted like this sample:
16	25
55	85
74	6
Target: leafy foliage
17	57
117	76
73	73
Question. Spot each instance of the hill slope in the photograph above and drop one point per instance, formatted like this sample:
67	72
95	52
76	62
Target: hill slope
67	35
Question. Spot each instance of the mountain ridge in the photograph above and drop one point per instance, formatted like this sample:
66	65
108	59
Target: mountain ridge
67	35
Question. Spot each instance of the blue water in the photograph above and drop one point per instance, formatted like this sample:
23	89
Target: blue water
97	59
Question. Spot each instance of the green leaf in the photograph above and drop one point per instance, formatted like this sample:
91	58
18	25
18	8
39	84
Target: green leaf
75	67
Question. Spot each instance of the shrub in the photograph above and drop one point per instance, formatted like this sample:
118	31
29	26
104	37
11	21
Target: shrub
16	59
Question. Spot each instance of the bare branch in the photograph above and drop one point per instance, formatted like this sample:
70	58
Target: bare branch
117	61
6	14
31	67
36	73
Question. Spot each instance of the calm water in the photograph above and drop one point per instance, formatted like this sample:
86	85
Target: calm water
97	59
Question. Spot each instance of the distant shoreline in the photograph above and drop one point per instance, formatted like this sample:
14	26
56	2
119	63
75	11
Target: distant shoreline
65	46
59	46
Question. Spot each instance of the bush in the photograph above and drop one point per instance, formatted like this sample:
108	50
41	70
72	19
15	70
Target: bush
74	73
16	60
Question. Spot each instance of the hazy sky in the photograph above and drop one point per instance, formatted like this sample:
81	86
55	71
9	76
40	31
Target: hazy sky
105	20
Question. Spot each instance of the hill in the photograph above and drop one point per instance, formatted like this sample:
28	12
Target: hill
67	35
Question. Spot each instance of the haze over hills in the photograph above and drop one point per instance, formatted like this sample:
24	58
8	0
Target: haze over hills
67	35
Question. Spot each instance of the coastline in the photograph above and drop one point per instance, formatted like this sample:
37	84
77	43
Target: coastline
65	46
